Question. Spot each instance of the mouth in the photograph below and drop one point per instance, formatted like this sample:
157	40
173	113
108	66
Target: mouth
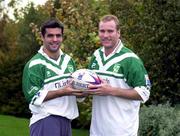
106	41
55	44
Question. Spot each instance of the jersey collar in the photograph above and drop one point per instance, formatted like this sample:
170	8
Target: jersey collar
45	55
116	50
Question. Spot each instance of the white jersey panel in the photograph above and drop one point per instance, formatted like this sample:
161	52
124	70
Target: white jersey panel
65	106
121	114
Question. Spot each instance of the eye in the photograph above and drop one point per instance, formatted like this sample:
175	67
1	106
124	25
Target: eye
50	35
54	35
102	31
58	35
110	31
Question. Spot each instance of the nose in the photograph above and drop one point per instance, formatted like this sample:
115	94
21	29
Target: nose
55	38
105	34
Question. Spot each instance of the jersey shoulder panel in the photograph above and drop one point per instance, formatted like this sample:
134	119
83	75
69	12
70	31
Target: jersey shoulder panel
71	66
93	64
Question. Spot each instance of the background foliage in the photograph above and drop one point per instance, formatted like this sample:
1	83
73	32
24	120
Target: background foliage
161	120
149	28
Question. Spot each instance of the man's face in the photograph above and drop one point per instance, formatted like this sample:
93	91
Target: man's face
108	34
52	39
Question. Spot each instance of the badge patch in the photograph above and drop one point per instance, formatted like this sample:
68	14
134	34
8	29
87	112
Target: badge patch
116	68
93	65
148	83
70	68
48	73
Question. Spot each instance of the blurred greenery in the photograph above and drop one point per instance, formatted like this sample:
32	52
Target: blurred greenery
149	28
161	120
13	126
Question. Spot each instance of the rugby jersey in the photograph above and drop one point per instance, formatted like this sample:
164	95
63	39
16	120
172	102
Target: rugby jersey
113	115
42	74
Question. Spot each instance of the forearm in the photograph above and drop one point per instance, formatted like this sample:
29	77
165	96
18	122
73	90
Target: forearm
54	94
63	92
126	93
45	95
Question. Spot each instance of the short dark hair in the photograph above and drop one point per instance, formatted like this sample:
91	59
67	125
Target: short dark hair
107	18
51	23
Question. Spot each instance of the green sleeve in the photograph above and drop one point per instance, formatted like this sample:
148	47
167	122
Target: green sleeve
135	72
32	81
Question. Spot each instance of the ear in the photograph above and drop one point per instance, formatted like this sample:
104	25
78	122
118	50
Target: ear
119	33
42	37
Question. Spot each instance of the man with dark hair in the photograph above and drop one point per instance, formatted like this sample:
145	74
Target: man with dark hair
47	85
125	84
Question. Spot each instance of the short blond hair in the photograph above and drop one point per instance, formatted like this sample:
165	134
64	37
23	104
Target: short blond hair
107	18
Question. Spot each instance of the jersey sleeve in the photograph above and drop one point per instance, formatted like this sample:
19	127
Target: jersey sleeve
32	84
137	78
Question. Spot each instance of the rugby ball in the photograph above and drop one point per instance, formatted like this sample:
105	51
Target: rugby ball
83	77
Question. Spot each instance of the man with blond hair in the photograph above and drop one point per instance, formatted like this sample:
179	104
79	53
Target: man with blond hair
125	84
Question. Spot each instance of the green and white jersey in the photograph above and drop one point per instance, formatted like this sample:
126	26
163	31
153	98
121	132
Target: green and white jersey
112	115
42	74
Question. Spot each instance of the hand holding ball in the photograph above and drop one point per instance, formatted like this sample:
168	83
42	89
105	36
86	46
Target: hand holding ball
83	77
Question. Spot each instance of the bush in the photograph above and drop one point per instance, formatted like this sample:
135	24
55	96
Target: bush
161	120
149	27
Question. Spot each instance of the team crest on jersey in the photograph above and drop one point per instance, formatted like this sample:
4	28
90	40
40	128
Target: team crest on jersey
70	68
116	68
48	73
33	89
93	65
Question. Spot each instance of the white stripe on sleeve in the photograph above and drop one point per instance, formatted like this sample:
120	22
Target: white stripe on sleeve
143	92
39	97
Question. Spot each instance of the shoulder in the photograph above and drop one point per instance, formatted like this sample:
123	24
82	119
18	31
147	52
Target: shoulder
35	60
127	53
126	50
67	58
97	51
67	55
129	58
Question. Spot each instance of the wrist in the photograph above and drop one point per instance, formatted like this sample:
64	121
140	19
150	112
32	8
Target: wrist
115	91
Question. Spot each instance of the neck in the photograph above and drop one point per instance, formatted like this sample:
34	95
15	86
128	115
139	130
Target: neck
110	50
52	55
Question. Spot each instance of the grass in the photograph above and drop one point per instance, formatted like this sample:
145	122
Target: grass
13	126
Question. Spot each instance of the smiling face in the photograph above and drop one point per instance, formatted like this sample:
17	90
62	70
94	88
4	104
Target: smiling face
108	34
52	39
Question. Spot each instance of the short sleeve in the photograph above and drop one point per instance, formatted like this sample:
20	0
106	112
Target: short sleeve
137	78
32	81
